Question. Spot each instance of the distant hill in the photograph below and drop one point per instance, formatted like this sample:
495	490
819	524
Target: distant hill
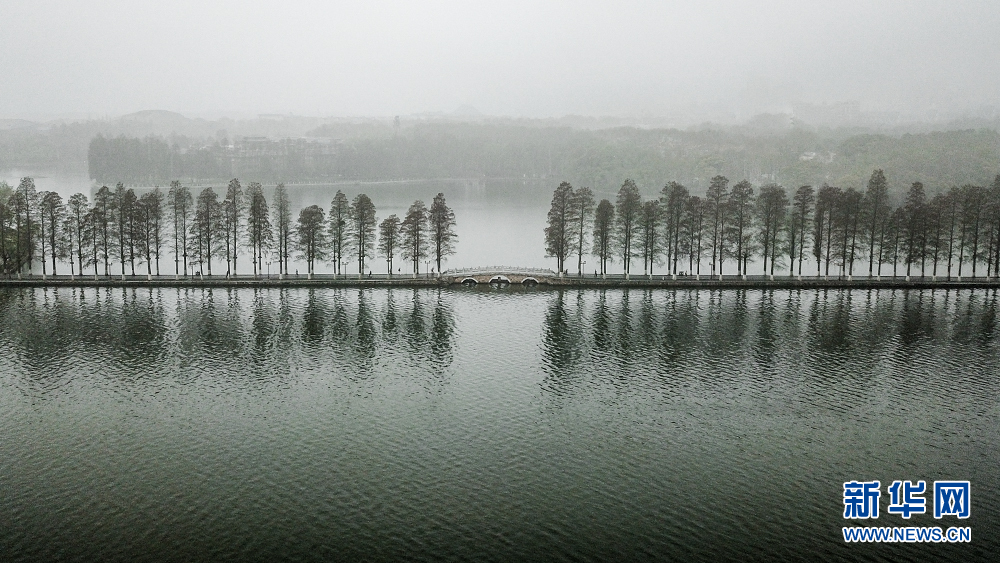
156	118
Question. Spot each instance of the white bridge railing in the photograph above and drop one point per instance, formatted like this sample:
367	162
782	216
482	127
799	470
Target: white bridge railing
498	270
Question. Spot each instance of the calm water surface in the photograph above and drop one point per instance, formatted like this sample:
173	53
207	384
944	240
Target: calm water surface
149	425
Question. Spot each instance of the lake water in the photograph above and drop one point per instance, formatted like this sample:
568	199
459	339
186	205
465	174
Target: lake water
479	424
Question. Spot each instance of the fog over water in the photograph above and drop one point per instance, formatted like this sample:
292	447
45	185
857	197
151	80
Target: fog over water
711	60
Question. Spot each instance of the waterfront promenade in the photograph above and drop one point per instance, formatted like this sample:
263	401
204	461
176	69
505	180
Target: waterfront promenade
509	278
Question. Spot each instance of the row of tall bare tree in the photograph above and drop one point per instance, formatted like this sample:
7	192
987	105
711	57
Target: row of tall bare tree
952	233
130	231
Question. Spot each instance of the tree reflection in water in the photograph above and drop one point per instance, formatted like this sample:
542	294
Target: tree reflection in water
188	332
739	336
588	337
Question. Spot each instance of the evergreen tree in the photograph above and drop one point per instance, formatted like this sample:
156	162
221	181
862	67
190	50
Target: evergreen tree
180	202
583	208
559	232
27	204
628	208
283	222
66	243
43	242
849	216
895	228
772	206
92	221
129	208
104	210
207	230
363	223
973	199
340	215
152	205
77	206
741	200
311	236
232	211
18	208
145	229
799	226
717	202
259	234
51	213
649	228
913	228
693	230
936	223
389	239
994	222
119	221
826	204
603	237
413	231
441	221
877	210
673	199
6	226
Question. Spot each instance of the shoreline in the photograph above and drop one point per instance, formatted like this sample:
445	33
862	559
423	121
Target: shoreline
568	282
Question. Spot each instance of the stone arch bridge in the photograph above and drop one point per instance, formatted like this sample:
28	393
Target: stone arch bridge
501	275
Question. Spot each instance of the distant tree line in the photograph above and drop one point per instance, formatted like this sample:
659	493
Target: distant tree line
123	230
536	150
841	231
151	160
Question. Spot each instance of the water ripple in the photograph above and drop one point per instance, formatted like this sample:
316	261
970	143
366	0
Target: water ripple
317	424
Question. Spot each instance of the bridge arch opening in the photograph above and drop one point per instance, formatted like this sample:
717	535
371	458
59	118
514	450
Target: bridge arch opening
529	282
499	281
469	281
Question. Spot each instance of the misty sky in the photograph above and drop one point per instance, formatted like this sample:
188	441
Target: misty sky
532	59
